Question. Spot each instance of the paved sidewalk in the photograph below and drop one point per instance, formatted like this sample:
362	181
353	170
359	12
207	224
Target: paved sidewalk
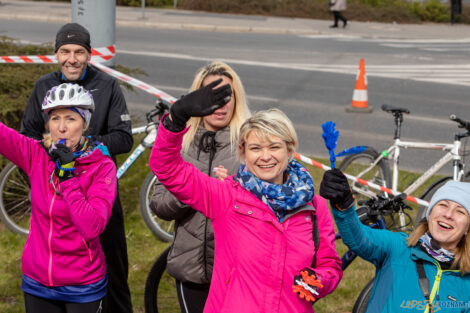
180	19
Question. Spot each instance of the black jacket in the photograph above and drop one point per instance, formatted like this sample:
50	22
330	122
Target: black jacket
110	122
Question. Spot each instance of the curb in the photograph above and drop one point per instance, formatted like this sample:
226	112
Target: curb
176	26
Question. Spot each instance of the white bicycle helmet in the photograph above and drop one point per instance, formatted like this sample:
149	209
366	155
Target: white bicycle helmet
68	95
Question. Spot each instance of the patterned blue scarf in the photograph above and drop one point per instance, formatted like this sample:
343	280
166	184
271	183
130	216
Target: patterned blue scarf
297	191
434	250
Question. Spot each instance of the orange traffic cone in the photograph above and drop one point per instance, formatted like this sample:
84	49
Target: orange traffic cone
360	101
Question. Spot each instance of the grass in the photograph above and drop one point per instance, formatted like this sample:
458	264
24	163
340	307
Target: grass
144	248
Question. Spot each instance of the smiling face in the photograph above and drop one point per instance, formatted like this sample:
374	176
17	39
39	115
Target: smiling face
266	158
66	124
448	223
73	60
222	116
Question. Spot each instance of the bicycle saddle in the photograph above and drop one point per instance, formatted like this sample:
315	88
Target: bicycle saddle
392	109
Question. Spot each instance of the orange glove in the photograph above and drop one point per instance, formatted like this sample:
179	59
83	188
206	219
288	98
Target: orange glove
306	285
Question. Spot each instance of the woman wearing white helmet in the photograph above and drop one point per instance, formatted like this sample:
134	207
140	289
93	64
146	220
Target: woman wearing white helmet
73	186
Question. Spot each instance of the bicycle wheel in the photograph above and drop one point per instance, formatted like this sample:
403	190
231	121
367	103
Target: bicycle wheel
15	199
357	165
160	288
361	303
159	227
427	195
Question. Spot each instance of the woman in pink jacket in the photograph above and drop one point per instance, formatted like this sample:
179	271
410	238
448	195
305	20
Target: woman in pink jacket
263	217
73	186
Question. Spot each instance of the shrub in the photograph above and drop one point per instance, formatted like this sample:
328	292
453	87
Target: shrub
431	10
17	80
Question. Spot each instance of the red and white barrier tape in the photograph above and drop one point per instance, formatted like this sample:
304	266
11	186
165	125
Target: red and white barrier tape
95	61
97	55
360	181
135	82
106	53
164	96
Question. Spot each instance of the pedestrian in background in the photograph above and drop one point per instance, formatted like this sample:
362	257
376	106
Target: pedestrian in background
211	141
110	124
336	6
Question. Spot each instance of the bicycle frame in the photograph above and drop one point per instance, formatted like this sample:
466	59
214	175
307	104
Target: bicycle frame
394	150
452	155
146	143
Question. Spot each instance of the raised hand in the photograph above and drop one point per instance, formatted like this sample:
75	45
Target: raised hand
201	102
335	187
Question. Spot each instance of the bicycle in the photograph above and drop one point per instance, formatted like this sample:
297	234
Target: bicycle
15	197
371	166
372	212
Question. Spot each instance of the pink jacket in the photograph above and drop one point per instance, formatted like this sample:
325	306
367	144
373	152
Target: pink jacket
256	257
63	245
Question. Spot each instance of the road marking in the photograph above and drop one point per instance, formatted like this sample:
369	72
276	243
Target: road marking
454	74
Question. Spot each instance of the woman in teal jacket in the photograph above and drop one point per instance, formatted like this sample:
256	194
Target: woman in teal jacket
439	246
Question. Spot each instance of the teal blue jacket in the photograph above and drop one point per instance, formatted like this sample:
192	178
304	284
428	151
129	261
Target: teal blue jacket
396	287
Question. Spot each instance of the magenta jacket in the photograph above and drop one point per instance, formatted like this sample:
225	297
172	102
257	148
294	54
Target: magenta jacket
256	256
63	246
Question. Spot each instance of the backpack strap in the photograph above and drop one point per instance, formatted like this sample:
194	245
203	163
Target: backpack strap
315	236
423	281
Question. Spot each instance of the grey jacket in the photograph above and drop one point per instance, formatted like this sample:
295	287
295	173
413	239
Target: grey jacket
338	5
191	257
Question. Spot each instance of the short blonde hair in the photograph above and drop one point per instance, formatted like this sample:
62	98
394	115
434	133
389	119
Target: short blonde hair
240	111
272	122
462	252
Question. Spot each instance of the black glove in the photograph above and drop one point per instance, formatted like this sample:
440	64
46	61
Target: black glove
64	161
306	285
335	187
201	102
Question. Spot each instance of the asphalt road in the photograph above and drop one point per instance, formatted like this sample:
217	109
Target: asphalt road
311	78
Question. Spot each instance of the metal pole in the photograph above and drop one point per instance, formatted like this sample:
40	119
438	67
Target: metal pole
143	9
175	3
99	17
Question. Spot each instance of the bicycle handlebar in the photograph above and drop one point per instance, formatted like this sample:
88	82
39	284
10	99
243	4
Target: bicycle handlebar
161	107
383	205
462	123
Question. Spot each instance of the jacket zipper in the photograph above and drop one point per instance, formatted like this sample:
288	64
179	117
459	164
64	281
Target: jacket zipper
435	286
49	241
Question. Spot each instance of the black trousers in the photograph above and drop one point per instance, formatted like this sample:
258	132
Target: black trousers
113	243
35	304
192	297
338	16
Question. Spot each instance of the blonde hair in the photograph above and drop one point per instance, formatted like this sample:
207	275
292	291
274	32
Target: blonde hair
272	122
462	252
240	111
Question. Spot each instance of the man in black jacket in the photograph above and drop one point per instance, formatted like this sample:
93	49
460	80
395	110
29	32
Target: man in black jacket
109	124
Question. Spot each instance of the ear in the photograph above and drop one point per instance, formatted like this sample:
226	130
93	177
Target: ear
89	56
241	148
290	153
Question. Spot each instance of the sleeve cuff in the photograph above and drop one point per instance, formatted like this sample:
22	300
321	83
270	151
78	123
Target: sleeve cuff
169	125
